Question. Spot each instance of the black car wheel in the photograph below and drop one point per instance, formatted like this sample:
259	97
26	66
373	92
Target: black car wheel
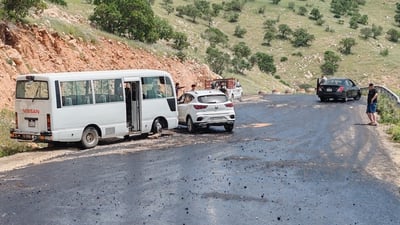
358	96
228	127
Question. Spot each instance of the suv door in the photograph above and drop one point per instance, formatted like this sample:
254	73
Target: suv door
184	107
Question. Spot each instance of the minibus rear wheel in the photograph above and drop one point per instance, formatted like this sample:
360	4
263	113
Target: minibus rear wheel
90	138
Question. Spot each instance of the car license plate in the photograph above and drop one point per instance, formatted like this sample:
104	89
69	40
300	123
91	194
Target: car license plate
31	123
329	90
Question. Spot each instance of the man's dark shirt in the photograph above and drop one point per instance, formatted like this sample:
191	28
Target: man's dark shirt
371	94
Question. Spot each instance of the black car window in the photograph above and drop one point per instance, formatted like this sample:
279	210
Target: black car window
212	98
331	82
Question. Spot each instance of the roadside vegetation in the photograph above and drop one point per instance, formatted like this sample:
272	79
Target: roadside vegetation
389	113
7	145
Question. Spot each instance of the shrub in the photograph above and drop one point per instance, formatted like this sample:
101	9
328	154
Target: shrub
395	132
388	111
384	52
7	145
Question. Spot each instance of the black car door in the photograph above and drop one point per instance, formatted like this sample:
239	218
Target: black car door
352	89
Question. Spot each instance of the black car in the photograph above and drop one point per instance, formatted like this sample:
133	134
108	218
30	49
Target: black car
338	89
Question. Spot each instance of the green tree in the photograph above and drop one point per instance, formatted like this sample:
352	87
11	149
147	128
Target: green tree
346	44
217	60
163	28
363	20
265	62
302	11
203	6
234	5
275	2
239	65
216	9
376	31
315	14
353	22
180	41
331	63
241	50
215	36
134	19
167	5
397	15
239	31
284	31
107	17
268	37
270	25
18	9
301	38
192	12
345	7
59	2
366	32
291	6
393	35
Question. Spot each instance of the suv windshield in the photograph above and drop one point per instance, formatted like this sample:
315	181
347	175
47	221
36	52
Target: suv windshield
212	98
32	90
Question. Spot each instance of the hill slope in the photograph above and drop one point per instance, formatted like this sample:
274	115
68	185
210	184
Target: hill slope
33	49
365	64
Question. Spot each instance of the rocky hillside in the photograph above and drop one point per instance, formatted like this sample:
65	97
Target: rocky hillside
33	49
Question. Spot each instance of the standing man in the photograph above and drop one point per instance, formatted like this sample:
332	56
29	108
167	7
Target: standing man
372	101
193	87
323	79
177	87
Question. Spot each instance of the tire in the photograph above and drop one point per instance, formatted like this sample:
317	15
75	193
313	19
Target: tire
322	99
90	138
358	96
157	127
228	127
190	125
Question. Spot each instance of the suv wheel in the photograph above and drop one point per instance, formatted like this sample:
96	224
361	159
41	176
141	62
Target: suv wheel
190	126
228	127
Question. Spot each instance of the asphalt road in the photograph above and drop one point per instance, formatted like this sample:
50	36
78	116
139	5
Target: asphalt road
290	160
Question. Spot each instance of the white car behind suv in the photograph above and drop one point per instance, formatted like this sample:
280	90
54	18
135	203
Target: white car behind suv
206	108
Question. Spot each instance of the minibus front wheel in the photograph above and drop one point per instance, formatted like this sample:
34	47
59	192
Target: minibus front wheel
90	138
157	126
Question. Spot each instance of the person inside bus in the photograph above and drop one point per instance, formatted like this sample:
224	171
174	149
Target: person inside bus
128	101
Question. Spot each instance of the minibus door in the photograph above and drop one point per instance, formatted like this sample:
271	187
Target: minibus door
133	106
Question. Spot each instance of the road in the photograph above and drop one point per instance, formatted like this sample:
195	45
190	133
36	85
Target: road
290	160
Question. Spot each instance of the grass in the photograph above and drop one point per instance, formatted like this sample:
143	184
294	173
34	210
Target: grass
7	145
389	113
365	64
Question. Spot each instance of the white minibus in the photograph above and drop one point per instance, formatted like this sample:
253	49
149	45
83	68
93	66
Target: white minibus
88	106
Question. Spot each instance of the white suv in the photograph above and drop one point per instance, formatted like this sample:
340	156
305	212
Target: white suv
206	108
